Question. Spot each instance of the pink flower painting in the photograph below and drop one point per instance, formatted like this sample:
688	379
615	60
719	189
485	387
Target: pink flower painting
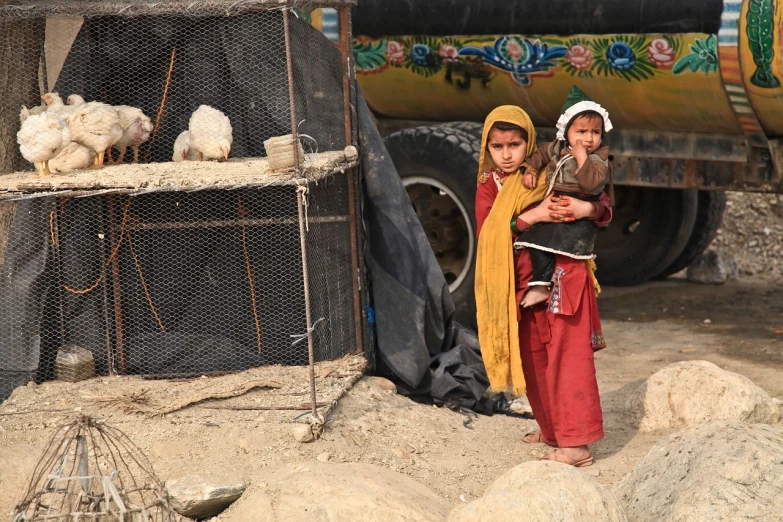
448	53
580	57
661	53
395	53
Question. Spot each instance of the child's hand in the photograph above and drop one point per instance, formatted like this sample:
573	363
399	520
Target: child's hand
529	180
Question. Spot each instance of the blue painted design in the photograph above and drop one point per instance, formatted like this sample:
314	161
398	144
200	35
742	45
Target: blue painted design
422	56
621	56
370	314
531	57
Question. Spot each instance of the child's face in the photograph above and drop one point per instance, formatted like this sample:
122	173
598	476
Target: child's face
507	149
587	130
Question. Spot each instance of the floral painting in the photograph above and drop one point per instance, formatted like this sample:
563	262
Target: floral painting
470	61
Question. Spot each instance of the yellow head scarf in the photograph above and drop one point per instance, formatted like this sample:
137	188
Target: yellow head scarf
496	306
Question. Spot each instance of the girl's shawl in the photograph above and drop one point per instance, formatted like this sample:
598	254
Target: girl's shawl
496	306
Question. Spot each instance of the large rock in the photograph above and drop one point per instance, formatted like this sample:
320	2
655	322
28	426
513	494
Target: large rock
197	496
717	471
315	492
713	267
542	491
687	393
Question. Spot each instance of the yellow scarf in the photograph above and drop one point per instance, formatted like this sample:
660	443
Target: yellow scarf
496	305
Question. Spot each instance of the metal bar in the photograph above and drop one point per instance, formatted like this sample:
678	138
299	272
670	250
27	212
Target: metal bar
300	195
347	55
115	270
59	277
291	101
104	284
233	223
36	9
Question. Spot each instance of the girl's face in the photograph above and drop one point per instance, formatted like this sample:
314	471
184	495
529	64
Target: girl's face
586	129
507	149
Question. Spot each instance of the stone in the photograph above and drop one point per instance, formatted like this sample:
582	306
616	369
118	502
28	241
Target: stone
315	491
718	471
543	491
689	392
713	267
381	384
351	153
303	433
198	496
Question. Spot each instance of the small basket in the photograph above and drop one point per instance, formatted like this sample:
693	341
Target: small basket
280	152
74	363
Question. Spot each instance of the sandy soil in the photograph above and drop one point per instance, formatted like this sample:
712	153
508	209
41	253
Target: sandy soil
647	327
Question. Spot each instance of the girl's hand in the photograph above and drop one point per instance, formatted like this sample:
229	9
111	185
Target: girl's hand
564	209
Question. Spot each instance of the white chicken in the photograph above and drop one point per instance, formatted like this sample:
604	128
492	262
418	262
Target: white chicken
182	148
72	157
95	125
54	103
25	113
41	137
136	127
210	133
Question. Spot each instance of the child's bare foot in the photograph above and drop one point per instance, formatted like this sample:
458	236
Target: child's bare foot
536	294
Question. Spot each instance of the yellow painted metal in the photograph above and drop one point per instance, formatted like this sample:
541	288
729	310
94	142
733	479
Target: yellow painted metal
686	101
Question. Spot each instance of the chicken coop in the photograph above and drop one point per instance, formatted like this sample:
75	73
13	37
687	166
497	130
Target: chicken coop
180	189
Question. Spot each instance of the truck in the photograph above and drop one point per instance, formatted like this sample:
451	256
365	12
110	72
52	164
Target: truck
694	90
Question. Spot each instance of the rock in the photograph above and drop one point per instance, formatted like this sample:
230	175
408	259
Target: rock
335	492
381	384
542	491
198	496
716	471
690	392
303	433
713	267
520	405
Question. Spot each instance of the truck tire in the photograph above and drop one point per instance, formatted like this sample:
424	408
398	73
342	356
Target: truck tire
649	230
438	167
473	128
709	217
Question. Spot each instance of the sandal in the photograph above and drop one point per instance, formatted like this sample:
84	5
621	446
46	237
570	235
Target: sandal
565	459
536	437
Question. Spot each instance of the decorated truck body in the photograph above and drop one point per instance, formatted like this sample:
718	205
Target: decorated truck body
694	89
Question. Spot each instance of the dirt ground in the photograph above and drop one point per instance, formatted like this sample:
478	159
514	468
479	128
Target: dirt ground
647	327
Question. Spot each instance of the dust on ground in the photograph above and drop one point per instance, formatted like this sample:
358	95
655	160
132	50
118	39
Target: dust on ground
647	328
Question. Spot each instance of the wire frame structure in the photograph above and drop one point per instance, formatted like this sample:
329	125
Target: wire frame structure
92	471
166	233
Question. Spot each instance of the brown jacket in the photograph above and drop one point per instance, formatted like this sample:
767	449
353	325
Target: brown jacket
590	179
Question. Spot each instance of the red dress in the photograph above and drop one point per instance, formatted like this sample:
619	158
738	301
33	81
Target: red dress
557	340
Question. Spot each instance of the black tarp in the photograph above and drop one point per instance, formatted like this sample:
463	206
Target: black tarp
418	343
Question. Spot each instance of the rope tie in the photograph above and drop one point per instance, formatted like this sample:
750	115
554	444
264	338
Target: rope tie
301	191
301	337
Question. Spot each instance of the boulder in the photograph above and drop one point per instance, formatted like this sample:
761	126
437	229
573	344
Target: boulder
713	267
687	393
316	491
198	496
542	491
716	471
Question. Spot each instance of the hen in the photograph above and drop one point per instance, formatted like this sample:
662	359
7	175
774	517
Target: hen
182	148
95	125
41	137
72	157
54	103
25	113
136	127
210	133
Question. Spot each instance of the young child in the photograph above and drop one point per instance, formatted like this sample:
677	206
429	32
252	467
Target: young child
577	165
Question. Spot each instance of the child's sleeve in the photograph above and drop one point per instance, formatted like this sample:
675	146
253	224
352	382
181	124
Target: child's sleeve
592	176
538	159
485	197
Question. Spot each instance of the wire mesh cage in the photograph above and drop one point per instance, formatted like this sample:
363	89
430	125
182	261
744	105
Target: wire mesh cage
92	471
193	209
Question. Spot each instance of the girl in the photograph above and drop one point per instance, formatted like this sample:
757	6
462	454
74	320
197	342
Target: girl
546	351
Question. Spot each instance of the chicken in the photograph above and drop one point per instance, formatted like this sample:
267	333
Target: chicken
25	113
41	138
183	149
95	125
72	157
136	129
210	133
54	103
